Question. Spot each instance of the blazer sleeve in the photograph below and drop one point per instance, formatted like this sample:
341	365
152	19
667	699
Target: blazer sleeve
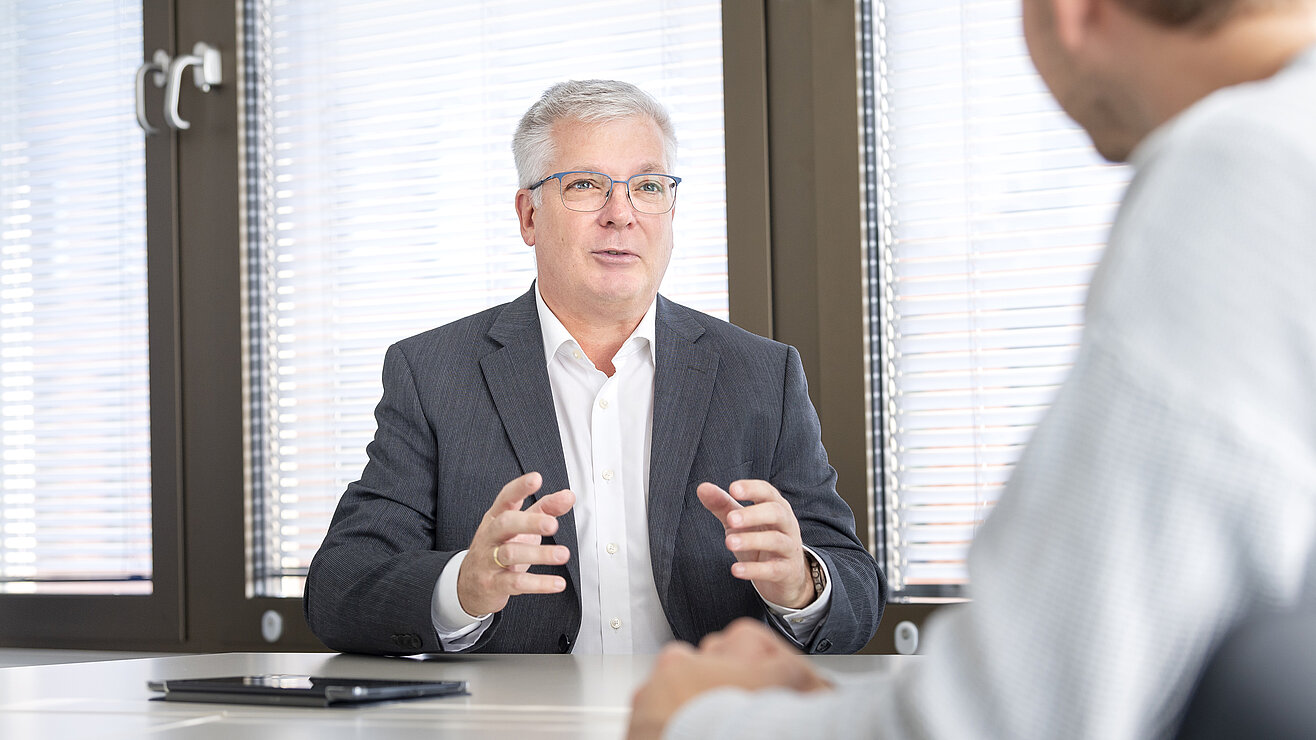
800	471
370	585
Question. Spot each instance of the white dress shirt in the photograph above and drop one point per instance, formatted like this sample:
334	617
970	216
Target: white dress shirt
606	424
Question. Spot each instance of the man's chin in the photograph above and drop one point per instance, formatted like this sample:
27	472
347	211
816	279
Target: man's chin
1113	151
624	295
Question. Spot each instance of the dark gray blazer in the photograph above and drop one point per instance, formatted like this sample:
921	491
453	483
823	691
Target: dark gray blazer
467	407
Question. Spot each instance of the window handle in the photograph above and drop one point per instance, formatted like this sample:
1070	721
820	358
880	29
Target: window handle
206	73
156	67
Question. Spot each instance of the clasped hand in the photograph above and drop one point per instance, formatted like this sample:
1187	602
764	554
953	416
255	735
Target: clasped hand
507	542
746	655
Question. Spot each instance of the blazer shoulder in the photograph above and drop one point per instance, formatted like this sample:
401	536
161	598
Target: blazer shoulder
722	334
464	340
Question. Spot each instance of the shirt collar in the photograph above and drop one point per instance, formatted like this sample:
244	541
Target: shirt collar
555	334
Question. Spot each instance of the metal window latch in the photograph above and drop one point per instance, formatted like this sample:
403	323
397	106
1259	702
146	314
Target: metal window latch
207	72
156	68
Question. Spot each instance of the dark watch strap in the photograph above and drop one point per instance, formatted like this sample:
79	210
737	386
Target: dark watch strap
815	572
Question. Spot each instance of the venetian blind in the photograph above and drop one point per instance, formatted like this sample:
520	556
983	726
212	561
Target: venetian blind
75	509
380	189
992	210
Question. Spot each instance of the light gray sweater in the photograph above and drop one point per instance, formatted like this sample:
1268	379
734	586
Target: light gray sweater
1171	487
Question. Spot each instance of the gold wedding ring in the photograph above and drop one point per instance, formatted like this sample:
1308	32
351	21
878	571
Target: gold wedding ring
500	563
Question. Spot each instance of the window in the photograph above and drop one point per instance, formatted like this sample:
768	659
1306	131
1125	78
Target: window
379	195
75	506
987	211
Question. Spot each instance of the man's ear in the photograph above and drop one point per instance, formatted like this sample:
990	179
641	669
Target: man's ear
525	215
1075	20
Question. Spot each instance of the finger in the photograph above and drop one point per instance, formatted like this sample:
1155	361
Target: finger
515	583
515	553
675	650
751	632
713	642
765	571
717	501
515	492
752	489
768	515
510	524
555	504
774	542
794	672
745	638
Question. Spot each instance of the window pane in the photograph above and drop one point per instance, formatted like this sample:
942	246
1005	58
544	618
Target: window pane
75	516
988	211
380	190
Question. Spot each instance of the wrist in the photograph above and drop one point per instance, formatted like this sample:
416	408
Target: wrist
806	589
814	584
468	599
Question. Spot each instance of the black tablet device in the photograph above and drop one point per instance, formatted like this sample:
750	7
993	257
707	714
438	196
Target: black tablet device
306	691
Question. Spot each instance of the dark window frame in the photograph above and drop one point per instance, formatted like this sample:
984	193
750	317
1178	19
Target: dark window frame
796	225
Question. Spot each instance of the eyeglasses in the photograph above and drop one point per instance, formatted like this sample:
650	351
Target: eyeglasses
586	192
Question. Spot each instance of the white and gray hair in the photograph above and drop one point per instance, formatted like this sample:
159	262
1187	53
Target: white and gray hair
587	101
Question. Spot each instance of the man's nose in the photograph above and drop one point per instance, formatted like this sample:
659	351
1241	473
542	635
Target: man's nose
618	210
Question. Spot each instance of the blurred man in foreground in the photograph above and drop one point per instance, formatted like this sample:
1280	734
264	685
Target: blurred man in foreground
1172	487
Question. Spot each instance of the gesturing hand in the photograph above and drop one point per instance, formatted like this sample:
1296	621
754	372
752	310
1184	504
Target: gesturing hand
507	543
765	538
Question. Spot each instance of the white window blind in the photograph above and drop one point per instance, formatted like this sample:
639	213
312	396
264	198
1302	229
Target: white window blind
380	190
992	210
75	512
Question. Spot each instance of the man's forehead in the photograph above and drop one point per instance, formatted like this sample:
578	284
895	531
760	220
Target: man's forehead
591	165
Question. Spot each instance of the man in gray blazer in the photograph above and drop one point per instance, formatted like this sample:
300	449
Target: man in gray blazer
592	468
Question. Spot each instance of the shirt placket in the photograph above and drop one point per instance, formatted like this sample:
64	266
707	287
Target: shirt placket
606	442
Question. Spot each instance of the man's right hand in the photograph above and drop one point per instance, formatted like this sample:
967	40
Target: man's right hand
746	655
485	583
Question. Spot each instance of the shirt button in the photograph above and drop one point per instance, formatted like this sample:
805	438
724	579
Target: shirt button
603	403
615	623
611	548
607	475
575	353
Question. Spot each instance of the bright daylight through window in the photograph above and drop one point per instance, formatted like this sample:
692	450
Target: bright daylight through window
75	486
987	211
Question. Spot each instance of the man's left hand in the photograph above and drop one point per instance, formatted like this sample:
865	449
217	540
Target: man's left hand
745	655
765	538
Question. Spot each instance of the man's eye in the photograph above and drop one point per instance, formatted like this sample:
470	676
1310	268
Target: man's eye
649	186
583	184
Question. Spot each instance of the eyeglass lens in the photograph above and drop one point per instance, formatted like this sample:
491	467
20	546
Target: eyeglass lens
588	191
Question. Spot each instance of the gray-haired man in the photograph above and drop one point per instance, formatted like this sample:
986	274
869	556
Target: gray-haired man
569	472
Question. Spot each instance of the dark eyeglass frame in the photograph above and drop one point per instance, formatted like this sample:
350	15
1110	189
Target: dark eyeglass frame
613	183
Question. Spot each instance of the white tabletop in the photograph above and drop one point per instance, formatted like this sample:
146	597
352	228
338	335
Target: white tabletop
511	696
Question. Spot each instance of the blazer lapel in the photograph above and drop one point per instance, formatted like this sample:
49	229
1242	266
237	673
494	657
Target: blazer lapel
517	377
683	385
